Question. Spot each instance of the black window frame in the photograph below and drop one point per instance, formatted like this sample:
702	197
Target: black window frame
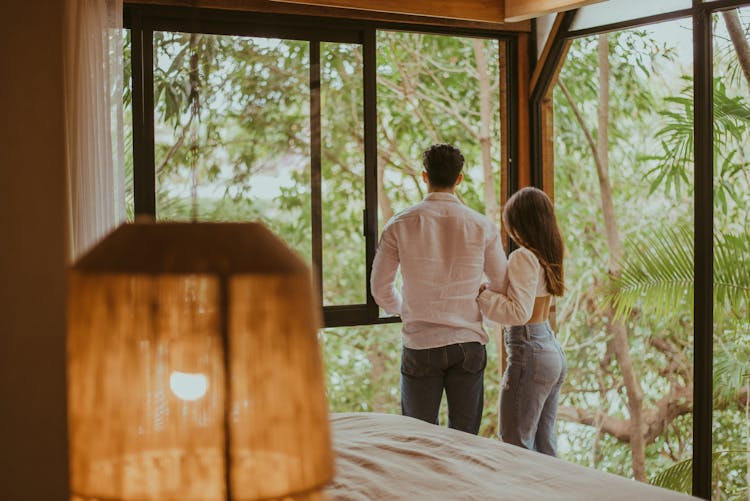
143	20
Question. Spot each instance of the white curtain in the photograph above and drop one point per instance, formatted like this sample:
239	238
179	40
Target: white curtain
94	120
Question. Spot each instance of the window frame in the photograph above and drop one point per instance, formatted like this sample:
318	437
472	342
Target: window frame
143	20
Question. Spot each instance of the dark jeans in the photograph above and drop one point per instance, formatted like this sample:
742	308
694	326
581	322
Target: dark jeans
531	387
457	368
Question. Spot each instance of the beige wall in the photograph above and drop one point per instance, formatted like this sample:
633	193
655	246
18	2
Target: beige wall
33	450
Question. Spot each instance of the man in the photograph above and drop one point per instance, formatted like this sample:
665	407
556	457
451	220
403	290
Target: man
444	250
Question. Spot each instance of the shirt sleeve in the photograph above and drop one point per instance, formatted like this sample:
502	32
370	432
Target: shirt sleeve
495	262
517	305
383	277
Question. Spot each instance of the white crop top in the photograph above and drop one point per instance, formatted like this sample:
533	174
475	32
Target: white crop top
526	282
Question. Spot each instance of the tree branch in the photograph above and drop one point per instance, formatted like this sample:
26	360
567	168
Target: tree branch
741	46
483	79
617	427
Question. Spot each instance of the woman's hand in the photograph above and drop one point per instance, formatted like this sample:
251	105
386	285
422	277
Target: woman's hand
482	288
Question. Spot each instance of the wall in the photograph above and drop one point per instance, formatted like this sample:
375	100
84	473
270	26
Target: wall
33	449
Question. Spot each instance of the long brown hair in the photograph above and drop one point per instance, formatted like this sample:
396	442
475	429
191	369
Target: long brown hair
529	219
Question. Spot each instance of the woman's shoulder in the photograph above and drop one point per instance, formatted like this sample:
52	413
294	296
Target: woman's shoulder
523	256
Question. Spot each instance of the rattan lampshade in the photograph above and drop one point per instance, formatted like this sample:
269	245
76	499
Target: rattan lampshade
194	372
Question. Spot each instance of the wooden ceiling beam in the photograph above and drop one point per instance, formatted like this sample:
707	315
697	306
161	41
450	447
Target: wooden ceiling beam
490	11
520	10
426	13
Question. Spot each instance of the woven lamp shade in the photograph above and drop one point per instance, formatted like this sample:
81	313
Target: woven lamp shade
194	372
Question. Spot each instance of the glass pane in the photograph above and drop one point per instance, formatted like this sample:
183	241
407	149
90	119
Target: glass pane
232	133
731	436
437	89
343	165
615	11
624	197
363	368
430	89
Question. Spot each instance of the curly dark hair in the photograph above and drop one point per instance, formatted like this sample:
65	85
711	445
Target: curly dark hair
443	164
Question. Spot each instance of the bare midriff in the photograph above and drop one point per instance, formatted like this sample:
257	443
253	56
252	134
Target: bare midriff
541	310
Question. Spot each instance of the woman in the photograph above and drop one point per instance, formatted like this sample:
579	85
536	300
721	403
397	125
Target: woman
536	362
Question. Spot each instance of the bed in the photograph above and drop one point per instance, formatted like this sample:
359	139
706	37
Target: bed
389	457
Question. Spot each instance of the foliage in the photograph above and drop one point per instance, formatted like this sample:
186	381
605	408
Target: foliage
673	167
652	187
595	380
657	273
679	476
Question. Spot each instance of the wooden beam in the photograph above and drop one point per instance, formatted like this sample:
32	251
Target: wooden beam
519	10
546	50
355	13
523	163
548	146
476	10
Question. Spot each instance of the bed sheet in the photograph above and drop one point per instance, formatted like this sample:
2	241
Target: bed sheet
390	457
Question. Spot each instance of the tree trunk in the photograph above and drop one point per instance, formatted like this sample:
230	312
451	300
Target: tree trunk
617	328
602	151
737	34
485	113
384	202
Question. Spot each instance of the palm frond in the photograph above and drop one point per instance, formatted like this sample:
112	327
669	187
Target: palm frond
678	477
674	161
730	371
731	272
657	273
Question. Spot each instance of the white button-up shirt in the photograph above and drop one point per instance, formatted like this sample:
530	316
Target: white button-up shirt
444	249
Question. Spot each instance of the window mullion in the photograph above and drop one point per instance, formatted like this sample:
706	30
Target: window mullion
144	182
704	230
316	167
371	162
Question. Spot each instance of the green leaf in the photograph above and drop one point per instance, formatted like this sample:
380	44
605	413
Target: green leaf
658	273
678	477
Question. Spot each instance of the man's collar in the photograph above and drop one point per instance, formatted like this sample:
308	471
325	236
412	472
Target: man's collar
439	195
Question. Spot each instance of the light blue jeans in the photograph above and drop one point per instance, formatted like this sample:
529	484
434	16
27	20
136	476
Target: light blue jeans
531	387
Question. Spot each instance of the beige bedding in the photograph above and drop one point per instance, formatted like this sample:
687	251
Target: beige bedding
388	457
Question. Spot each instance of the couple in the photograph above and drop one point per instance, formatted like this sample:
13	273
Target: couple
445	250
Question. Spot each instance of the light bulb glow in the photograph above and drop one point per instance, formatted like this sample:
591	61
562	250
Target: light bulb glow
188	386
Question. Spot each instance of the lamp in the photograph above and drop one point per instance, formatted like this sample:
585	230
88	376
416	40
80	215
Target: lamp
194	372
